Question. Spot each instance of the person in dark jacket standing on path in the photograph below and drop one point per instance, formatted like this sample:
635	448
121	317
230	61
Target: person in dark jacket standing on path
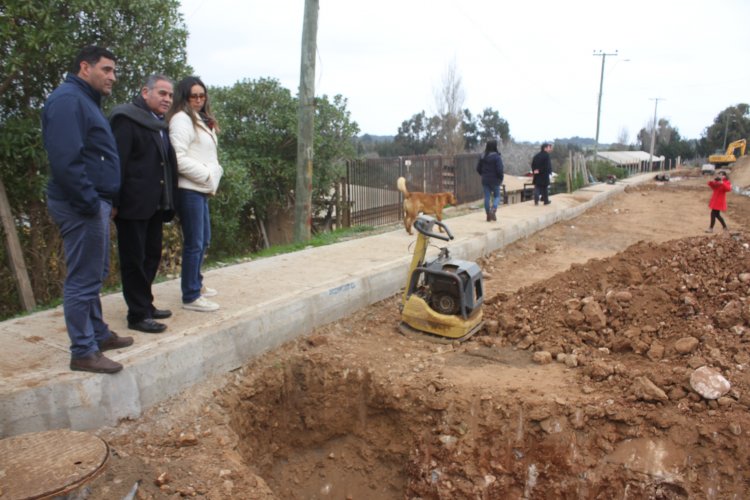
84	180
148	168
541	167
490	167
718	203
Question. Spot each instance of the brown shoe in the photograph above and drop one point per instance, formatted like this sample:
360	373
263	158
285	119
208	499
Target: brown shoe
96	362
115	342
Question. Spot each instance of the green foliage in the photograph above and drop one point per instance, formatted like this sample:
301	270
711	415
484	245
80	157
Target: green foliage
258	120
492	126
603	169
578	181
668	142
258	123
231	228
335	135
729	125
416	136
420	135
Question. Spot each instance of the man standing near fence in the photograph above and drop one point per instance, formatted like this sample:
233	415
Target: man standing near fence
84	179
541	167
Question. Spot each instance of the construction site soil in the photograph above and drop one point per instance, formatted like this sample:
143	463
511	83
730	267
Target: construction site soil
584	383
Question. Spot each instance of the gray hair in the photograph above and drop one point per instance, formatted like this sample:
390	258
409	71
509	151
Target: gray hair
153	79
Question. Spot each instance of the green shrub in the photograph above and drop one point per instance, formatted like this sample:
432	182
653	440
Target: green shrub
602	169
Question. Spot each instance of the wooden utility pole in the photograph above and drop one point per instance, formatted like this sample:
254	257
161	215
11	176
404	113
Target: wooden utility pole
306	124
603	55
15	254
653	137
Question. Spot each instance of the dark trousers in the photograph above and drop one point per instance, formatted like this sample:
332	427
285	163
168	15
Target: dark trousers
716	215
543	191
86	244
139	247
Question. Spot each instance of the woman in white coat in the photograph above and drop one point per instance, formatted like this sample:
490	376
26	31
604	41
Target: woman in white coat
192	132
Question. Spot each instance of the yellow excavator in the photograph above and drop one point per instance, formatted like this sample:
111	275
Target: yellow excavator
723	159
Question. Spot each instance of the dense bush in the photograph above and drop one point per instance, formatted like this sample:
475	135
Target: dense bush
601	170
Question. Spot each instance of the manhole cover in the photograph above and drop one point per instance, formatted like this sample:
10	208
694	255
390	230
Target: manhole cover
50	463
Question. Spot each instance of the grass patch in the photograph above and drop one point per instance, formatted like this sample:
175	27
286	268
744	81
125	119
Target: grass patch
317	240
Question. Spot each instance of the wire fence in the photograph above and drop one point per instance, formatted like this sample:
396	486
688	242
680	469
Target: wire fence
370	195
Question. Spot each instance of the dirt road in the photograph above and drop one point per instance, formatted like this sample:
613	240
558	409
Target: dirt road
579	387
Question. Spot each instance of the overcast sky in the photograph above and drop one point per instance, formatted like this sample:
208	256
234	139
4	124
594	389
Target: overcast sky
530	60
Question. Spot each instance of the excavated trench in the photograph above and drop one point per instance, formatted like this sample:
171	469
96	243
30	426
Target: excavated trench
580	386
319	428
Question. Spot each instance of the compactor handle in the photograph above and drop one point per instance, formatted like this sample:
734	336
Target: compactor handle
425	224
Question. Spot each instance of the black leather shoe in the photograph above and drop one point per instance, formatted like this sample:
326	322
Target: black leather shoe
115	342
148	325
161	313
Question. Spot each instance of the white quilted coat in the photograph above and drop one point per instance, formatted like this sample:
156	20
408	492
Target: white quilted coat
196	149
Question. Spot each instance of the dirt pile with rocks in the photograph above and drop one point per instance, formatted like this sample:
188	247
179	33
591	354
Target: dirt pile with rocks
677	306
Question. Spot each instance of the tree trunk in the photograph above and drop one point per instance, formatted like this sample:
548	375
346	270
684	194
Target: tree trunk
15	253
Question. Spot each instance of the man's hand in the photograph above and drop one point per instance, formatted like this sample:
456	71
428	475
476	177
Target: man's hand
113	214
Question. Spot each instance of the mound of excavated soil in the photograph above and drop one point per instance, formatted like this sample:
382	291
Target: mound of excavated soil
582	385
739	174
638	305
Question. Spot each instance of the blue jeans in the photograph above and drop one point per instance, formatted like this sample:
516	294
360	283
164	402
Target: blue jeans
192	207
491	190
86	244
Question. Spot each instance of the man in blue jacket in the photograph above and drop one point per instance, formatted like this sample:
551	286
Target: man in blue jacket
85	178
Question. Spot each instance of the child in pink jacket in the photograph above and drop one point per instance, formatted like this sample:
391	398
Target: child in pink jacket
720	186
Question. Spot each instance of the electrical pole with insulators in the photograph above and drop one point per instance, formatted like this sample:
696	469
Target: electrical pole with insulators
603	55
306	125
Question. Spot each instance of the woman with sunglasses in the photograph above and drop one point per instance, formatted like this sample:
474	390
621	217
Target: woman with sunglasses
192	132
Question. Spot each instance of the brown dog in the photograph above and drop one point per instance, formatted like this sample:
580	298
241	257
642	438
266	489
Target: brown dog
426	203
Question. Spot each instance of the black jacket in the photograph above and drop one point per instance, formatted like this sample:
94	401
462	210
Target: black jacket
541	166
147	162
491	168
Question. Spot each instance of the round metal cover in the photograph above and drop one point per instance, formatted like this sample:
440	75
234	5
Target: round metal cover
49	463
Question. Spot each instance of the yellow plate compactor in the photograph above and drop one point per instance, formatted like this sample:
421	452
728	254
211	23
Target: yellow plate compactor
442	298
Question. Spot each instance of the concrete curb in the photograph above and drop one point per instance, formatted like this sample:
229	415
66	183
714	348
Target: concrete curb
357	273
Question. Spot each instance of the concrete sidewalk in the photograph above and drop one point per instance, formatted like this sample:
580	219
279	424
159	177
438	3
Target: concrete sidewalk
264	303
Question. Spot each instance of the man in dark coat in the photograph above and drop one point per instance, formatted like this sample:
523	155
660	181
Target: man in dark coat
84	180
541	167
146	198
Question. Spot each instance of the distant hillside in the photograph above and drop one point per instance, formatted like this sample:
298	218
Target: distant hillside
373	139
583	142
